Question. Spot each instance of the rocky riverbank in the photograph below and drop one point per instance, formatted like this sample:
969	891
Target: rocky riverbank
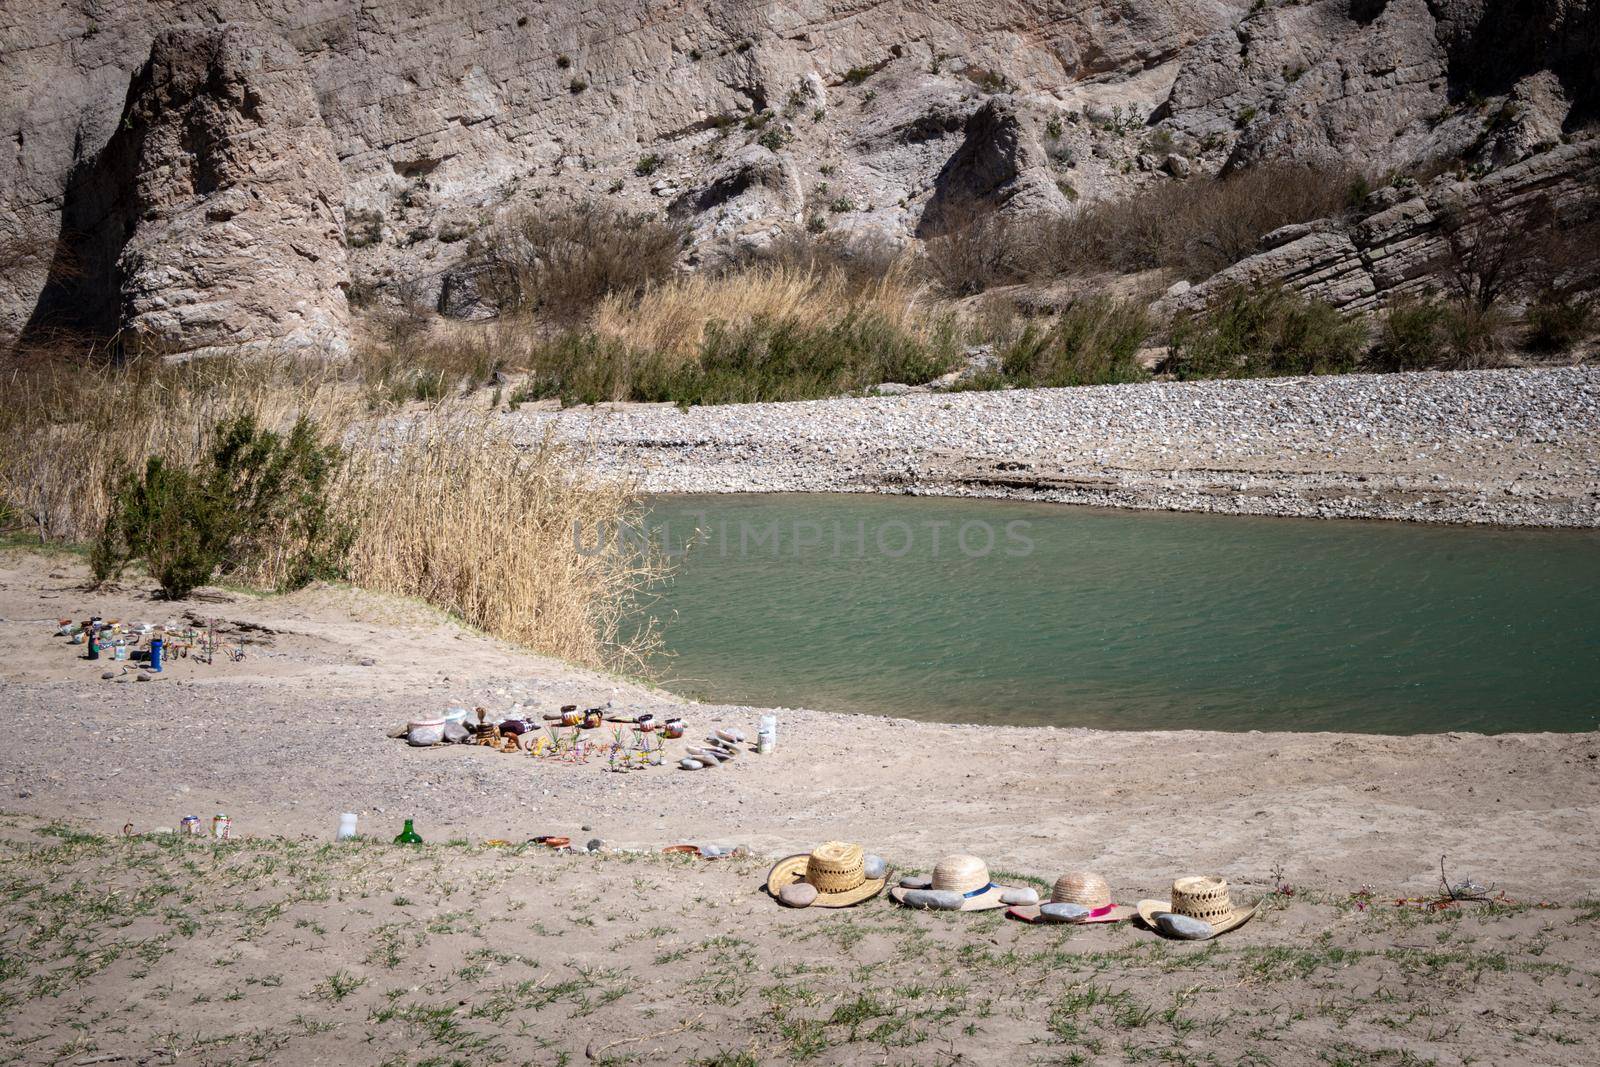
1514	447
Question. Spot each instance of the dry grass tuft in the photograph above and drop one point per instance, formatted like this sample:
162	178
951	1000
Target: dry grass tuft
448	509
72	423
672	318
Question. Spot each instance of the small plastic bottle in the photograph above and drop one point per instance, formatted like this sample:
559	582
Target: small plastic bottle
767	734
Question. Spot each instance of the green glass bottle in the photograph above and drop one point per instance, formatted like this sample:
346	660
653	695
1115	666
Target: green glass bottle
408	836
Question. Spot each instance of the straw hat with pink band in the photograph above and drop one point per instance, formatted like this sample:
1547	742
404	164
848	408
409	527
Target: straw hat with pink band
1077	897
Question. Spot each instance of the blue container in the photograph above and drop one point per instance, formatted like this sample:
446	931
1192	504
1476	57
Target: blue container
155	654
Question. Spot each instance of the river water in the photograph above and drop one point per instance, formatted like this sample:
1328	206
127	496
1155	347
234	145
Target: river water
1005	612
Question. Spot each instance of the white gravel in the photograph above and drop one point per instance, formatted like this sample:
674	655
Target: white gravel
1507	446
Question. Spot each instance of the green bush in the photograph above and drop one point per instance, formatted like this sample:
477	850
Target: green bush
255	495
1093	342
763	360
1425	333
1410	336
1556	325
1265	333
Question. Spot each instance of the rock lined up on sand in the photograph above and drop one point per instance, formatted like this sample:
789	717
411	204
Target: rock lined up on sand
915	881
1183	927
798	895
874	867
937	899
1062	912
1024	897
690	764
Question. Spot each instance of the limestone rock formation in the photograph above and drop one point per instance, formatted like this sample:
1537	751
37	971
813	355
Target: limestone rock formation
213	218
236	201
187	170
1401	242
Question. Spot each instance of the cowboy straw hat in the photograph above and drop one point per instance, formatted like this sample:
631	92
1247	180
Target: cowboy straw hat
835	869
1084	889
1199	898
967	875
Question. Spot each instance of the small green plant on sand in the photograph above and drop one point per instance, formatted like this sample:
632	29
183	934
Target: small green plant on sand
256	492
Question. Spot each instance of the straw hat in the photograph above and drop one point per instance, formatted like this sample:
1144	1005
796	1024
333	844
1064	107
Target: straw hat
836	869
967	875
1084	889
1199	898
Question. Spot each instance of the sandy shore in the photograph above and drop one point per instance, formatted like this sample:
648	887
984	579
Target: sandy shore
284	948
294	734
1518	447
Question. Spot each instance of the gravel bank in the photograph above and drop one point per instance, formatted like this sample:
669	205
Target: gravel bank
1516	447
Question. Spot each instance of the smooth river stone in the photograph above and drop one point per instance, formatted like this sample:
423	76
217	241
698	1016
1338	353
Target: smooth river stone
915	881
798	895
874	866
1185	927
938	899
1025	897
690	764
1062	913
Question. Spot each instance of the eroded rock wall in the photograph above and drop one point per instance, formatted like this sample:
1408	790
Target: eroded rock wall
741	116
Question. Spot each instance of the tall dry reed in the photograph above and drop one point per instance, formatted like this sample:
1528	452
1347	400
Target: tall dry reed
70	425
672	318
450	510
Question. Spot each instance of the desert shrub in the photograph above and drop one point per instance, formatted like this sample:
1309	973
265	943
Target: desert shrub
1092	342
255	493
1431	333
1556	323
971	250
1195	228
1264	333
1475	337
763	358
558	264
1410	335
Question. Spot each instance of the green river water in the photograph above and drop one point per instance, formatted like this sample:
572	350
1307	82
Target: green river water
950	610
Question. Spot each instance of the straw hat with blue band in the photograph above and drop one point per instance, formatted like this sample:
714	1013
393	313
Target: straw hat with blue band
964	875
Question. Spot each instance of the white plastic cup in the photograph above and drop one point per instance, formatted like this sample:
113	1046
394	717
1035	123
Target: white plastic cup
347	826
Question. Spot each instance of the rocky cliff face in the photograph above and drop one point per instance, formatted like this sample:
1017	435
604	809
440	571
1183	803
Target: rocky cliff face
203	174
1401	240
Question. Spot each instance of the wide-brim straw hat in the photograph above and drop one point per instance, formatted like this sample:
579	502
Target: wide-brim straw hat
1199	898
835	869
1084	889
967	875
